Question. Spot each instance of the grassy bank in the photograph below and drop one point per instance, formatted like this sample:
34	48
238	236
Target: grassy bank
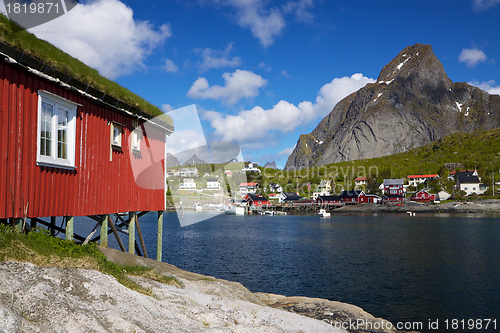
41	249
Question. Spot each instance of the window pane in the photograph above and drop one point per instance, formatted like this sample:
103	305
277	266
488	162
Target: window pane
62	129
46	133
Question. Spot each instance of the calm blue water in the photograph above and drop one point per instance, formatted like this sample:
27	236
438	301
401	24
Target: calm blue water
396	267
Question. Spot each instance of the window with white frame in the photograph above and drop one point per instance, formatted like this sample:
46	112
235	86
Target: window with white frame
56	131
116	135
136	139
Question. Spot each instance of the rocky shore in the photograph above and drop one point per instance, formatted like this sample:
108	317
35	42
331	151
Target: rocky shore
490	206
49	299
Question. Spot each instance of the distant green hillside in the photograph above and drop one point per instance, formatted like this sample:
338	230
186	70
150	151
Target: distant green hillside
480	149
15	36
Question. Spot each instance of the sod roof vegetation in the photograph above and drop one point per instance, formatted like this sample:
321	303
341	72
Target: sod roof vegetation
80	74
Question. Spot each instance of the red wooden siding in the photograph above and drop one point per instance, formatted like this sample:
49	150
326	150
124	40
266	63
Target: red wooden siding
98	185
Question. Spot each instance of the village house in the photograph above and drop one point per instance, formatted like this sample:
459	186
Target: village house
328	200
394	186
188	184
469	182
213	184
70	150
423	196
361	181
228	173
275	187
443	195
357	197
249	187
256	200
188	172
172	173
324	188
250	167
289	197
414	180
274	197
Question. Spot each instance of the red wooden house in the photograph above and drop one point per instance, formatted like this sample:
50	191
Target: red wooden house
356	197
328	200
69	150
256	200
422	195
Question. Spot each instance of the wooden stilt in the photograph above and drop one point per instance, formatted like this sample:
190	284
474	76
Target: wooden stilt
18	223
69	228
33	223
141	239
131	232
52	226
115	232
159	243
104	230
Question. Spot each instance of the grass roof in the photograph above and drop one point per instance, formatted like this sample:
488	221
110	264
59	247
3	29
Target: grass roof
15	36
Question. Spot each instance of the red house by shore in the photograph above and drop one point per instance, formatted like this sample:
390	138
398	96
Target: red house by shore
70	150
422	195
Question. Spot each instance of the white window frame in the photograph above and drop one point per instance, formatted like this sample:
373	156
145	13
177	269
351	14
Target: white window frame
136	139
116	143
57	102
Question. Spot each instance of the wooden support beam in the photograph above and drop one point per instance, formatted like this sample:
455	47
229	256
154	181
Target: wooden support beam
115	232
131	232
141	239
69	228
47	224
33	223
52	226
159	242
104	230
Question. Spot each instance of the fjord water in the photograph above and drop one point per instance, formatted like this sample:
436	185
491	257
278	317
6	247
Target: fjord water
401	268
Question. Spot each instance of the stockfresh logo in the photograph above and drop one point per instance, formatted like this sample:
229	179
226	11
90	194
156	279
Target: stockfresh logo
29	14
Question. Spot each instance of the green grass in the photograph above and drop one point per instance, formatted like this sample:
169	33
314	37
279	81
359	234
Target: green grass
41	249
15	36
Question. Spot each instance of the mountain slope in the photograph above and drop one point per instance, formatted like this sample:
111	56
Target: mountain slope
413	103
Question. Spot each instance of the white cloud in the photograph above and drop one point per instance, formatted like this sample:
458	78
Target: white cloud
170	66
286	151
301	10
480	5
104	35
472	57
285	74
167	107
285	117
218	58
265	24
238	85
488	86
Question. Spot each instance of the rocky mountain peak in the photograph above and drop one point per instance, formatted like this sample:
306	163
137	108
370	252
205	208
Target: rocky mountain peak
413	103
415	66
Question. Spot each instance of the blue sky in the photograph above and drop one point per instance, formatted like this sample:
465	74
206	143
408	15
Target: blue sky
263	72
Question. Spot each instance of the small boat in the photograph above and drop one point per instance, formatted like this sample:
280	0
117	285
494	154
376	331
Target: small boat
323	213
198	207
411	213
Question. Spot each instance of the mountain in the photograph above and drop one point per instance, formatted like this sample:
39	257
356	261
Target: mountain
271	165
193	160
172	161
413	103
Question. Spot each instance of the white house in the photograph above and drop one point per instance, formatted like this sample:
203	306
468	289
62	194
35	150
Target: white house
414	180
250	168
188	172
213	184
361	181
324	189
249	187
188	184
469	182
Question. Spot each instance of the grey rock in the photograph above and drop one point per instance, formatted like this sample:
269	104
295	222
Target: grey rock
413	103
